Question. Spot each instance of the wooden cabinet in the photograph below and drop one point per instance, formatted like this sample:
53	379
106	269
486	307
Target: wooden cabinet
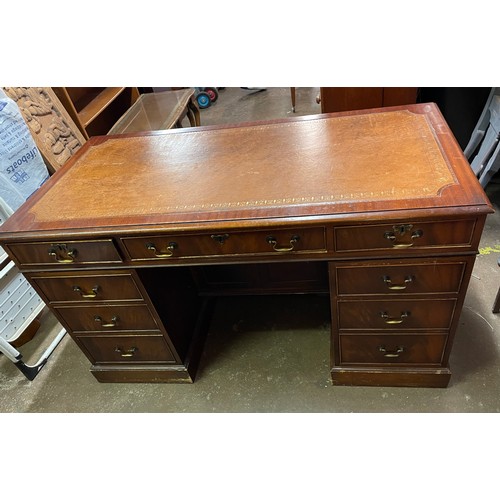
335	99
379	209
96	109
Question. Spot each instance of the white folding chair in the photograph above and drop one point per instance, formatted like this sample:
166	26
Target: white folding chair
19	307
486	136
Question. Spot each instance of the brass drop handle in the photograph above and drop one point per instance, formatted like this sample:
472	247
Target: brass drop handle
111	324
390	286
62	254
391	354
394	321
87	295
163	254
274	242
127	353
401	230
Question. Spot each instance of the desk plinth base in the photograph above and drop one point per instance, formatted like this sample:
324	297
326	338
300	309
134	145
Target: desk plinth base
414	377
144	374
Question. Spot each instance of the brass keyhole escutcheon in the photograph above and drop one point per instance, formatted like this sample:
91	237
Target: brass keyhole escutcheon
220	238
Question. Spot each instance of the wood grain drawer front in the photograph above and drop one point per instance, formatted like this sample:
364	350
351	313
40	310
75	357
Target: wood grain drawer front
435	277
108	318
126	348
395	314
87	287
392	349
232	243
405	236
65	253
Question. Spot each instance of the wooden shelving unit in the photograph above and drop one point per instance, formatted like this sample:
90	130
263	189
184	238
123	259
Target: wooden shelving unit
96	109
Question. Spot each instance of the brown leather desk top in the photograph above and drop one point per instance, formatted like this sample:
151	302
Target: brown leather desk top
324	165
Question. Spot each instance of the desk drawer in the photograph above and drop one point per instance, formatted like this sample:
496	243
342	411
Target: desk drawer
87	287
140	348
108	317
392	349
405	236
408	278
231	243
395	314
65	253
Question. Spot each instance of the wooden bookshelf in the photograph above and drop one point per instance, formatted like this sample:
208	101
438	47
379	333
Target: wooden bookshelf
96	109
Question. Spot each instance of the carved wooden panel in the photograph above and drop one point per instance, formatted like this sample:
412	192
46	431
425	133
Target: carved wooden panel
55	133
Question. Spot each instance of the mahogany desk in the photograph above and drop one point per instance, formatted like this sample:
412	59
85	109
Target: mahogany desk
131	241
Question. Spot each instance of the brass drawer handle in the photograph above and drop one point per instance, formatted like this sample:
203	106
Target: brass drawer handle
87	295
390	286
400	230
126	353
272	241
220	238
62	254
391	354
163	254
394	321
111	324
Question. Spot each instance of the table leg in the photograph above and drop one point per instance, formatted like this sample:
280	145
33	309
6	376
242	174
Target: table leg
496	304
